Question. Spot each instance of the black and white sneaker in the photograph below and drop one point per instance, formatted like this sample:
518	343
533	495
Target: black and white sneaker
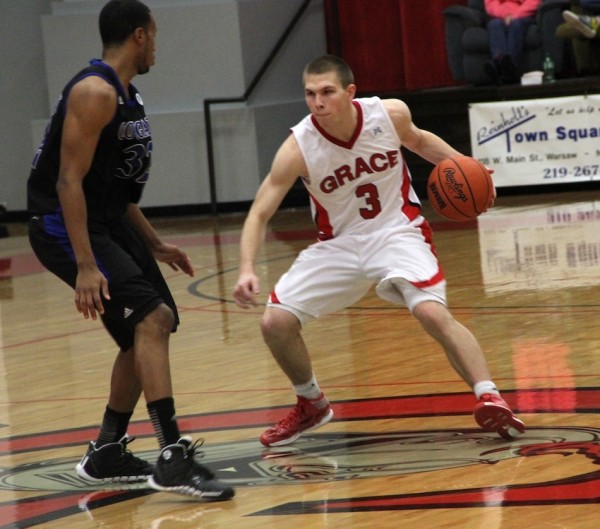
176	470
113	463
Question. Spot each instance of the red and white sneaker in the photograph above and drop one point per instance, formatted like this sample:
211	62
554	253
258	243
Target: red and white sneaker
303	418
493	414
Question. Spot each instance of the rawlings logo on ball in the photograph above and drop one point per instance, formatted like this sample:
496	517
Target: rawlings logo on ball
453	186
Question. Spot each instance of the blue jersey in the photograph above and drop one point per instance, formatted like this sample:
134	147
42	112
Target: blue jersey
121	161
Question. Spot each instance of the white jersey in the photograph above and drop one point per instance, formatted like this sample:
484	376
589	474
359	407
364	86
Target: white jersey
370	226
361	185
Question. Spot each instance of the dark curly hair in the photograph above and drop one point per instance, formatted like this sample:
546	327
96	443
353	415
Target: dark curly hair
120	18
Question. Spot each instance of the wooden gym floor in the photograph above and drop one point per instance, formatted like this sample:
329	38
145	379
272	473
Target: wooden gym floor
402	451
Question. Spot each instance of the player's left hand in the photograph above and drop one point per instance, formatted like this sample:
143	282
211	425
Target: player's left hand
494	195
176	258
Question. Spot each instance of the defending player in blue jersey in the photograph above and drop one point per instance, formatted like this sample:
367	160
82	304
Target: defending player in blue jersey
88	229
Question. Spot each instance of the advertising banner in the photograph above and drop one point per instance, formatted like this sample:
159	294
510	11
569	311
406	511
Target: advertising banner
538	141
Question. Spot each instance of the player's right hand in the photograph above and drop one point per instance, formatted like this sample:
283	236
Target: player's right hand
90	287
246	290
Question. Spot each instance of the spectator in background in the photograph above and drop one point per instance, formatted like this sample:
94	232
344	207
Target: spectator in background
588	22
507	28
581	29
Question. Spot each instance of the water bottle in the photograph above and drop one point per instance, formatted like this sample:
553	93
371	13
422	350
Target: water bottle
548	69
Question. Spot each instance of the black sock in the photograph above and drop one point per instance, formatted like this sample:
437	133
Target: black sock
162	415
114	426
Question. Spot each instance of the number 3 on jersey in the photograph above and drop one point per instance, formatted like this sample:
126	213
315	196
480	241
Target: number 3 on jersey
369	193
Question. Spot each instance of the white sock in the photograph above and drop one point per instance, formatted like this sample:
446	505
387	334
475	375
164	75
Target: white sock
309	390
485	386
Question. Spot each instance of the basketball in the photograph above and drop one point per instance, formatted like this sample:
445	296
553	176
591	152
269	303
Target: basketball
460	188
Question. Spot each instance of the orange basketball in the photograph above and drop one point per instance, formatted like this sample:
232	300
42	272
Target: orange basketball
460	188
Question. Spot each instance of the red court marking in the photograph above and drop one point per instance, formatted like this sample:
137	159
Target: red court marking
346	410
21	265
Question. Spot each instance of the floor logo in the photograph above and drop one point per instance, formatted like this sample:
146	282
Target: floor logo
334	457
329	457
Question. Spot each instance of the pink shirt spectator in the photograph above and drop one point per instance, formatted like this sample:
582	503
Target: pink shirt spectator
512	8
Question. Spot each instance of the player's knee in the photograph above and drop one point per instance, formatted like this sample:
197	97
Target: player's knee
269	326
160	321
278	324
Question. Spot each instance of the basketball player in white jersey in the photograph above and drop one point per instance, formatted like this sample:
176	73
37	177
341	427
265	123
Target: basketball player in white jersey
347	152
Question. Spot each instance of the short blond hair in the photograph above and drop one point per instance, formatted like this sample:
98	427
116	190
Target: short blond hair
330	63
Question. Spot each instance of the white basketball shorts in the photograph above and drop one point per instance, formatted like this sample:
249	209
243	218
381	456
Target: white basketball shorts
331	275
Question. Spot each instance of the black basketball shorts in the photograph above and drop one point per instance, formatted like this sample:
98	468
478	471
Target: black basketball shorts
135	282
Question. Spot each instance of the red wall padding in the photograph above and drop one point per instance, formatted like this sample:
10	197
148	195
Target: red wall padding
391	45
424	43
370	41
